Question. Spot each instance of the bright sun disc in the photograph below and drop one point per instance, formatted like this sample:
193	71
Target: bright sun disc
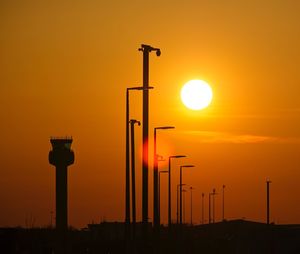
196	94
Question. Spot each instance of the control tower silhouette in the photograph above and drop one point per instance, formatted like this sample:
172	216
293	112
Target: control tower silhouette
61	157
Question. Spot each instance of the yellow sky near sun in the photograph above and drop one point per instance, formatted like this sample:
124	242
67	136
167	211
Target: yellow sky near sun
64	67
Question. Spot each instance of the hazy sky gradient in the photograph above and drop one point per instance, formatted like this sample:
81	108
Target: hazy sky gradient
64	68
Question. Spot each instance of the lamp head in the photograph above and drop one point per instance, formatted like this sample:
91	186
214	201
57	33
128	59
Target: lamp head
164	171
140	88
187	166
179	156
149	48
165	127
133	121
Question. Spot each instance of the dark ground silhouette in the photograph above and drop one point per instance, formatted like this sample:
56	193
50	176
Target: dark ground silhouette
237	236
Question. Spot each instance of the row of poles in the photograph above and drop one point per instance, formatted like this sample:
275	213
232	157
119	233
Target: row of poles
146	50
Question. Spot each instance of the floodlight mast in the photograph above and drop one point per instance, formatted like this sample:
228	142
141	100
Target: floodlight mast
146	49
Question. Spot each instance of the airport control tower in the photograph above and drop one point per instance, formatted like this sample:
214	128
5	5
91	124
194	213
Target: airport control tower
61	157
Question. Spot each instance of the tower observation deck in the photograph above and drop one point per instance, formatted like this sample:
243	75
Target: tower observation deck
61	156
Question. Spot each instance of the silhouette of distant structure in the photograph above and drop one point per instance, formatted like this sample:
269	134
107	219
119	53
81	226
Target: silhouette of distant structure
268	201
61	156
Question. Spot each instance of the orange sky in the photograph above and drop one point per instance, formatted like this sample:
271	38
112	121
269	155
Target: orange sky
64	68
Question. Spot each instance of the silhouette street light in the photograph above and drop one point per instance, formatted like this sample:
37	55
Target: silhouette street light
268	201
209	206
213	194
183	201
155	178
180	194
127	171
160	172
132	123
223	203
202	208
209	212
191	188
177	203
146	49
169	191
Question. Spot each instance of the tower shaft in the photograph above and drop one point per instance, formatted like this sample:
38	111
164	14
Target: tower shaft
61	198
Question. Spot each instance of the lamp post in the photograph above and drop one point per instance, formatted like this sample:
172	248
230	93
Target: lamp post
183	201
155	178
202	208
132	123
127	170
177	203
191	189
223	203
160	172
169	191
209	207
268	201
213	194
146	49
180	193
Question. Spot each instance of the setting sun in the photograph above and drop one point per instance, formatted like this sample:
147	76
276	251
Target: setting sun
196	94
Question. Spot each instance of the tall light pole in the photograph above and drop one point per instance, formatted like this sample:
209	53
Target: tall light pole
177	203
180	194
191	189
160	172
127	164
223	203
202	208
209	205
268	201
132	123
183	201
213	194
169	191
155	178
146	49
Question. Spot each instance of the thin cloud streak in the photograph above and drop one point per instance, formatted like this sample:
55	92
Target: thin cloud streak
225	137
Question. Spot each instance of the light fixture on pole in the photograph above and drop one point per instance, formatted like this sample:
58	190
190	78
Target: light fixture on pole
160	172
183	201
155	178
202	208
180	193
268	201
223	203
213	194
127	165
191	189
169	191
177	202
132	123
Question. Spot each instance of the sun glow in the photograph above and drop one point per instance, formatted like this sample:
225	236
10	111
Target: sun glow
196	94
